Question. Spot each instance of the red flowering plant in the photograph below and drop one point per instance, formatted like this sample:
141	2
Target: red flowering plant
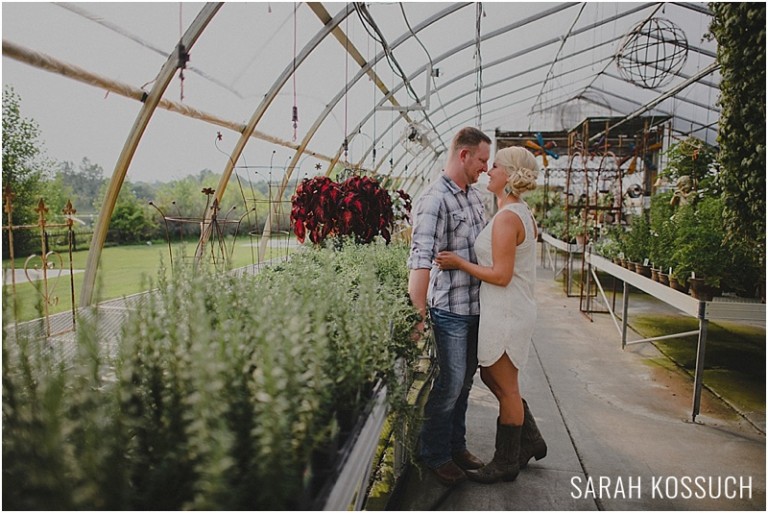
401	205
314	208
365	209
357	207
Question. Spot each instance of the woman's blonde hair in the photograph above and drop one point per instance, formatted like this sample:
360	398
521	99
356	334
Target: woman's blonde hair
521	167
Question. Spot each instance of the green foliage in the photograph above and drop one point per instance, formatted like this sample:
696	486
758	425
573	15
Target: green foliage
183	198
225	392
553	221
637	241
131	220
540	201
700	241
609	244
663	231
739	29
695	159
85	184
24	168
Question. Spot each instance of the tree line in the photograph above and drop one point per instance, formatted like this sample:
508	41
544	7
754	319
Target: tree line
32	175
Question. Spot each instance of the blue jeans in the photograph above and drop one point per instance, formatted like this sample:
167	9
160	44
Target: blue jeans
445	426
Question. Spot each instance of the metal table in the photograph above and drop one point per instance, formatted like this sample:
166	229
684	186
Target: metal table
704	311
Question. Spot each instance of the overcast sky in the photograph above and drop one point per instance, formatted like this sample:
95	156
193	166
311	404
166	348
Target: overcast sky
78	120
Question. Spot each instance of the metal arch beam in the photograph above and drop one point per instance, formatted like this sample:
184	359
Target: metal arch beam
503	30
685	100
529	49
161	83
468	93
366	69
500	108
505	59
47	63
694	7
420	174
517	103
388	96
672	92
421	154
460	47
673	116
498	97
281	80
444	56
424	163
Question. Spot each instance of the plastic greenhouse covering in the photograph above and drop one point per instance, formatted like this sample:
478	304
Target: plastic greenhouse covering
285	91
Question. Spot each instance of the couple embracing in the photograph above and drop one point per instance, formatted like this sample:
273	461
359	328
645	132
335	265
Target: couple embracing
453	252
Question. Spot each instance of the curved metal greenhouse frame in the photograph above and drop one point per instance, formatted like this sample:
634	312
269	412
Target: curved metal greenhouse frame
504	67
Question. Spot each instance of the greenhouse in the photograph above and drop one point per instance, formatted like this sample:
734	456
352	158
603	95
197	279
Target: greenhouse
248	249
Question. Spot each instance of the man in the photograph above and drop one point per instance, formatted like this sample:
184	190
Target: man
448	216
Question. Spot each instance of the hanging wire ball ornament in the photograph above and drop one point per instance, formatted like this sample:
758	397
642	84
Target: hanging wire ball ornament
652	53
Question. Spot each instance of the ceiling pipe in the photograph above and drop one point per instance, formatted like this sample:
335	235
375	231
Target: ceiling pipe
508	28
47	63
648	106
463	46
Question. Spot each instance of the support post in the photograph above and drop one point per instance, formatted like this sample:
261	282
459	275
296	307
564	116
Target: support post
624	308
700	351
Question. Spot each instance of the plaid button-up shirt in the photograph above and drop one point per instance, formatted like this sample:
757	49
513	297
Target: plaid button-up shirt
446	218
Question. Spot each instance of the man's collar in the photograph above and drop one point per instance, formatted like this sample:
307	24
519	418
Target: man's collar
453	186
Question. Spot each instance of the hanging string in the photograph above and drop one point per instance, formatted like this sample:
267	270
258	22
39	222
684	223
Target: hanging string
346	86
295	112
182	55
373	98
478	56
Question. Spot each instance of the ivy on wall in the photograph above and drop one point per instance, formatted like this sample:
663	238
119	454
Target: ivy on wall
739	29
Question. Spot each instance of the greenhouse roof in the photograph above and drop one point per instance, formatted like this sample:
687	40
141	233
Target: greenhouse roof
295	88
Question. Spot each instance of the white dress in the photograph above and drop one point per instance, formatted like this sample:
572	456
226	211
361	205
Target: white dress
508	314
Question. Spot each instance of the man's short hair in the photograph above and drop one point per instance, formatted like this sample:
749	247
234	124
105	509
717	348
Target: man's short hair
469	137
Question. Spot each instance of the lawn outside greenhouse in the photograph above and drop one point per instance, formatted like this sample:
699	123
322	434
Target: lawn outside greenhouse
208	212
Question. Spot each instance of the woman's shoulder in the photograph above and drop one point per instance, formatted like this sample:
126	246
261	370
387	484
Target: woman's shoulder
508	216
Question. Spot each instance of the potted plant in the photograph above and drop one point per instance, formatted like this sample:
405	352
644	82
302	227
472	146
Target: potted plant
662	240
358	207
608	245
553	221
579	227
637	243
700	251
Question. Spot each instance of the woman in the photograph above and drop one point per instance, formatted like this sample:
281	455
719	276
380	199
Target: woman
506	255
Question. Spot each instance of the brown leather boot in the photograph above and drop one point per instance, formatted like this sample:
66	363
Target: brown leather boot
532	445
505	463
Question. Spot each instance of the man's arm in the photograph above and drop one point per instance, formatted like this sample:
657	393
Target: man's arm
418	284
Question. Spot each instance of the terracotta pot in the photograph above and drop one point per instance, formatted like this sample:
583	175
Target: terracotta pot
677	285
663	278
700	290
655	274
643	270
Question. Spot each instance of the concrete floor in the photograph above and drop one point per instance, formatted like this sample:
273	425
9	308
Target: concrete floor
610	417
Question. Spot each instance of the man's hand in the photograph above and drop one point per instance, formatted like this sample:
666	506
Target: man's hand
417	333
446	260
